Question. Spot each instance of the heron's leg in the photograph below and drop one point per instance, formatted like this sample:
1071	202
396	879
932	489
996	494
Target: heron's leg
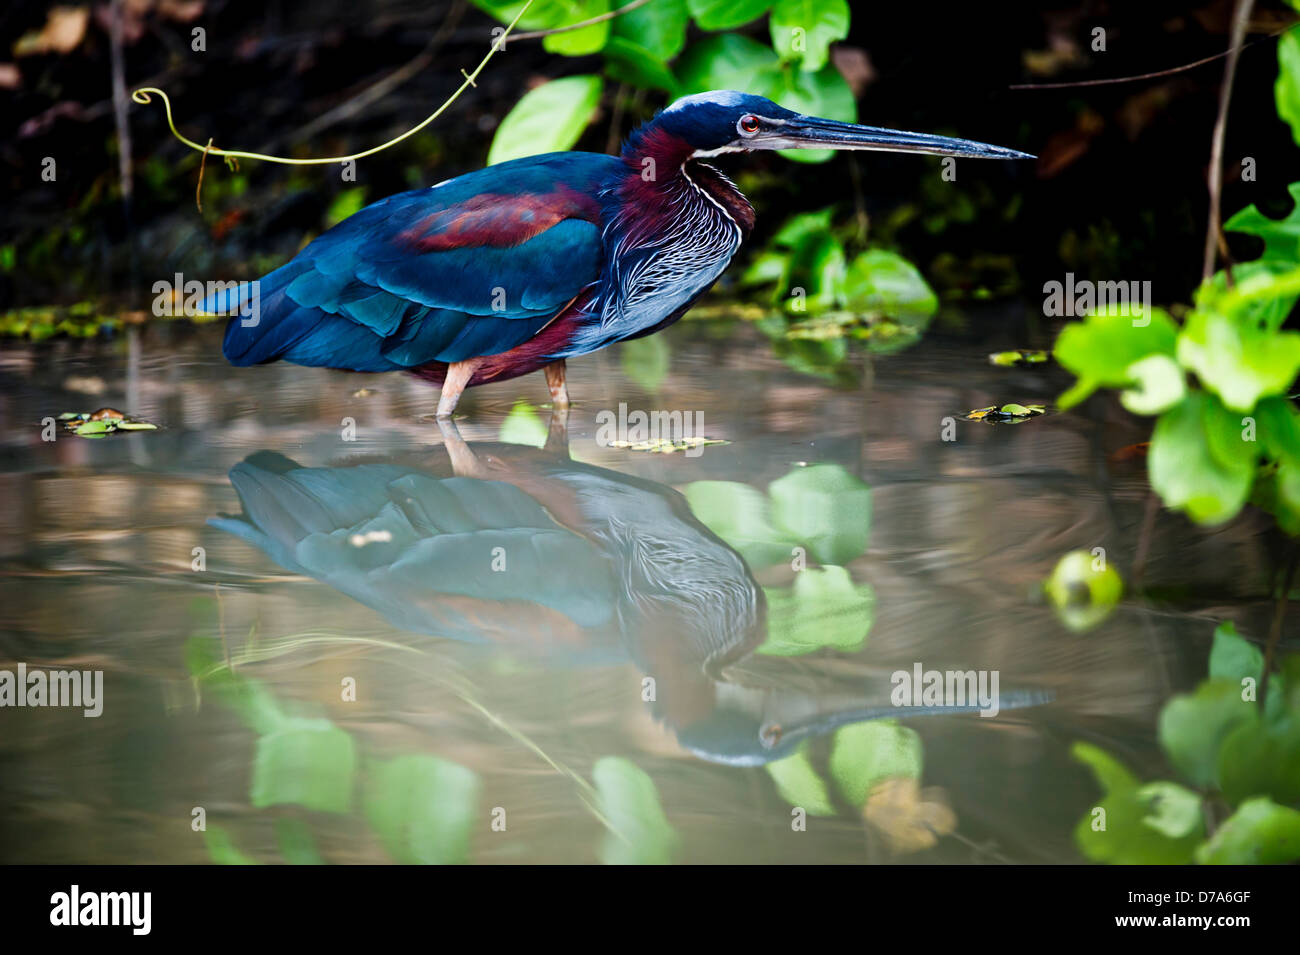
557	435
555	382
458	375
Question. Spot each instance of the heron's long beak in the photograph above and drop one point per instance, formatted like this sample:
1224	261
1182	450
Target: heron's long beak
811	132
822	723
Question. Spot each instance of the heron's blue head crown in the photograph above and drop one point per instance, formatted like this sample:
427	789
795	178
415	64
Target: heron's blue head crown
728	121
721	120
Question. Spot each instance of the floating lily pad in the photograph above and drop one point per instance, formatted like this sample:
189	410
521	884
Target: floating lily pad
101	423
1019	356
1006	414
1083	590
666	446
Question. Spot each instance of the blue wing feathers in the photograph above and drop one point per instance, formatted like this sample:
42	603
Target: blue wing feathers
475	266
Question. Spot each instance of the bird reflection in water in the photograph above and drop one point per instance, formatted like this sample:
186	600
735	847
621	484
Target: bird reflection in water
561	562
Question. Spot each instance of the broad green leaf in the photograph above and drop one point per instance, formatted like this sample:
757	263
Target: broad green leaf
1239	361
1267	311
1281	236
738	514
589	39
1129	825
1083	590
629	63
825	93
800	225
1158	385
1287	89
729	61
803	30
815	271
1232	657
628	799
824	609
727	14
306	762
884	283
1260	832
825	507
1193	464
1102	348
547	119
659	28
1261	757
423	808
865	754
800	785
1193	725
646	361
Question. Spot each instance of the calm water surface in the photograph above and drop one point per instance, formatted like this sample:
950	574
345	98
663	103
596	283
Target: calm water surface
370	562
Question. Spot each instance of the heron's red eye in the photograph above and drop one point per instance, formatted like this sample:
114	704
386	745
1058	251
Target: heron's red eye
749	124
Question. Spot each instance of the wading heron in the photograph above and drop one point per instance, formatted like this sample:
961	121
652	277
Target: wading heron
525	264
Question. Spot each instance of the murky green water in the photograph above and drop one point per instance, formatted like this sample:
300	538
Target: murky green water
500	607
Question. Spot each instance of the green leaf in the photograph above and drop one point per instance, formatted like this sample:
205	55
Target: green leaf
1195	462
1260	832
729	61
1232	657
523	425
1135	821
1281	236
738	514
1082	593
547	119
347	202
1102	348
222	849
1193	725
823	610
628	799
825	507
589	39
1259	758
800	785
803	30
307	762
815	267
884	283
423	808
94	428
629	63
1158	385
1287	89
1239	361
1111	774
825	93
296	842
1172	810
659	28
726	14
865	754
646	361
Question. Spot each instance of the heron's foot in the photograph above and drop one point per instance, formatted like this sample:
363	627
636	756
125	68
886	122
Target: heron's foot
555	381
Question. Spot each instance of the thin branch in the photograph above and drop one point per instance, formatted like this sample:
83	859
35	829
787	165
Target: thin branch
1109	81
1275	631
538	34
1240	20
